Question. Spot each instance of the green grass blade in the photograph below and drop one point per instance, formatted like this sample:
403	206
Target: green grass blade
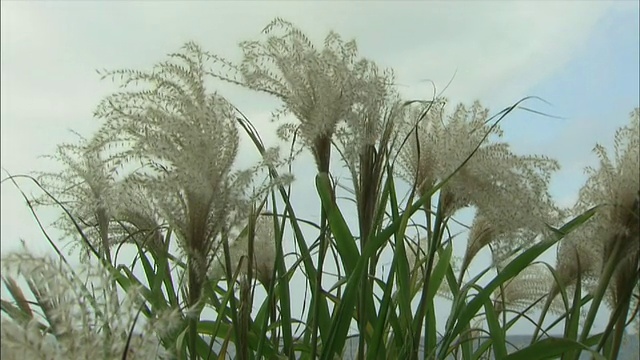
157	300
377	348
513	269
343	314
438	275
550	348
496	331
573	323
344	240
403	274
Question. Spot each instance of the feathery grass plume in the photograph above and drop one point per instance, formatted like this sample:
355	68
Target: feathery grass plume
264	251
528	287
86	188
366	139
579	256
136	215
189	139
616	186
108	208
319	87
509	191
610	241
72	321
417	158
371	122
481	234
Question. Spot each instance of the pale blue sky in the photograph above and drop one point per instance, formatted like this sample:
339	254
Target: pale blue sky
580	56
595	91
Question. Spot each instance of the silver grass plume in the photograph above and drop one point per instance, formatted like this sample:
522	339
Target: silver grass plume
318	86
613	233
372	121
578	257
188	140
366	140
110	207
135	216
509	191
86	188
529	287
264	251
70	321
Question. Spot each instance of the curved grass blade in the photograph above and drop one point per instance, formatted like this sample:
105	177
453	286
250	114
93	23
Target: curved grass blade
550	348
510	271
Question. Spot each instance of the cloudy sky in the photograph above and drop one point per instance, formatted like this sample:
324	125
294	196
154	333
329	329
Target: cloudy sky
582	57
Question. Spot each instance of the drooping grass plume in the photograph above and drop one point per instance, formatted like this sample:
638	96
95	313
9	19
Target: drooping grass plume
187	138
70	320
509	191
612	234
87	187
530	287
264	251
318	86
612	237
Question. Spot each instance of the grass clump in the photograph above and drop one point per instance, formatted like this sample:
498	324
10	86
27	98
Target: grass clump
214	275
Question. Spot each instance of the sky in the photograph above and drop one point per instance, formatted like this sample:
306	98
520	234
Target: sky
580	57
